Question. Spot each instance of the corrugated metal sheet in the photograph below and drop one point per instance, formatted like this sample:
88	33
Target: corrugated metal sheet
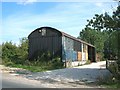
68	54
77	46
68	44
67	50
75	39
74	56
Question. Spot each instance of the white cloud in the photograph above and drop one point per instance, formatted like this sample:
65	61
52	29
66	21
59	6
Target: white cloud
25	2
17	26
99	4
67	17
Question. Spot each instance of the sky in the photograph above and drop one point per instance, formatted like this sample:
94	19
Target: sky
21	17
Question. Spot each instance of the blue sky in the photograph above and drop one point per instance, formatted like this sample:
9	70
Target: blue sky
20	18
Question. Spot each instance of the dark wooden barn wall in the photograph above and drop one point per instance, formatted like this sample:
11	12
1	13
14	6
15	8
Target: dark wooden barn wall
51	42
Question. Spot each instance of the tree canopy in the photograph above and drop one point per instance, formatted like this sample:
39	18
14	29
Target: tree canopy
13	53
103	31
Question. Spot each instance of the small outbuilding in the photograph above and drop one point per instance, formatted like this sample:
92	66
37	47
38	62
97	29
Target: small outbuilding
71	50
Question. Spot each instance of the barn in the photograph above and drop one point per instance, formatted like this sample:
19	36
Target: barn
71	50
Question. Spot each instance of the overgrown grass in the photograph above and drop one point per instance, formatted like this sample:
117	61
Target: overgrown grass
30	68
112	81
34	68
87	62
37	66
112	85
43	61
109	82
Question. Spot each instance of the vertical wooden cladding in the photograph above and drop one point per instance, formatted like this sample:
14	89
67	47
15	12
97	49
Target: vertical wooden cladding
50	40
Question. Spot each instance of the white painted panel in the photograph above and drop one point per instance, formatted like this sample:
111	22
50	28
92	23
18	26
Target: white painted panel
83	56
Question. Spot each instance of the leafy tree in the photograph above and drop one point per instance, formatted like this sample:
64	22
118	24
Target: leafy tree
114	37
23	49
116	26
103	31
95	33
94	37
0	50
9	50
15	54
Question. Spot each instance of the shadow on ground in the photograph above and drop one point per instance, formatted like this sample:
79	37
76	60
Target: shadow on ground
69	75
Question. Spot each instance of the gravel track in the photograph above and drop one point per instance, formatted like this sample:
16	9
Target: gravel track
77	77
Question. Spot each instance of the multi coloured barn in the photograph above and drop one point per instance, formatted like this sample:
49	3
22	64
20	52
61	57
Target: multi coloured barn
71	50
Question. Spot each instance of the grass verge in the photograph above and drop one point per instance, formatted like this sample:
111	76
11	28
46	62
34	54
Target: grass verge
30	68
37	66
112	85
109	82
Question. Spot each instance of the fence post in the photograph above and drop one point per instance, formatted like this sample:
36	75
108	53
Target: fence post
106	64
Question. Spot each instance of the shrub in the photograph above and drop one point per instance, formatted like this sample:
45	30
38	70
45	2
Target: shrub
9	63
57	63
88	62
16	56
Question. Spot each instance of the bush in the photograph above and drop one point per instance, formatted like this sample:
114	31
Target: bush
109	82
88	62
113	68
9	63
13	53
57	63
16	56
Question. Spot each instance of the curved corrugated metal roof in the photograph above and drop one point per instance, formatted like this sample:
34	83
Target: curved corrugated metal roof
42	28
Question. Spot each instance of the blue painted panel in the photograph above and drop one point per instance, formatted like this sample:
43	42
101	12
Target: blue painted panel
74	56
68	55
